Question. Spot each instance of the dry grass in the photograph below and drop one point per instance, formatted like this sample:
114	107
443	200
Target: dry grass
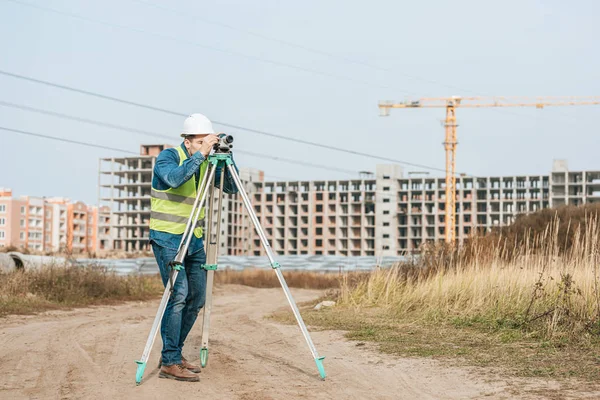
531	310
65	253
53	287
550	295
266	278
25	292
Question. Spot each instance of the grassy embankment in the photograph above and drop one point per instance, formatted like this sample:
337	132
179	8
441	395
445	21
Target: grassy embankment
525	298
55	287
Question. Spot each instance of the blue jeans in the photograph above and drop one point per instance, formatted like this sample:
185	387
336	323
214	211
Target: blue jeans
187	298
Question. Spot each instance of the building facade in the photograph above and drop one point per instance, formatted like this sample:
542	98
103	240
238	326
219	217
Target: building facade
481	204
389	214
574	188
57	218
47	224
328	217
381	214
125	184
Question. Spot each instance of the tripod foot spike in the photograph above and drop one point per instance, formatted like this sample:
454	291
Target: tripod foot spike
203	357
320	366
140	372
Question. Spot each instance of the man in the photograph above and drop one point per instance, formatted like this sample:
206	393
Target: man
177	174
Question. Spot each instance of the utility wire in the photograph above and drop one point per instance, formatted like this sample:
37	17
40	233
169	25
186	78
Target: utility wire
196	18
260	132
59	139
66	140
272	62
254	58
87	144
76	16
269	178
259	59
154	134
204	46
81	119
291	161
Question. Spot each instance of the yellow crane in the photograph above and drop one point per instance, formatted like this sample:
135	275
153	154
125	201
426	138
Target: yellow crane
454	102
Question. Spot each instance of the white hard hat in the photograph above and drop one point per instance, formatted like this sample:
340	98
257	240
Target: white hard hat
197	124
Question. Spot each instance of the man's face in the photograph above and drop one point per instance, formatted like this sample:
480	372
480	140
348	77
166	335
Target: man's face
194	143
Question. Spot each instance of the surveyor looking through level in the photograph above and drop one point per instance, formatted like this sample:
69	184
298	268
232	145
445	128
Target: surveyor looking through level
177	173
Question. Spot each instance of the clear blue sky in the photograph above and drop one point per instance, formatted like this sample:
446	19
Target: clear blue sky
463	47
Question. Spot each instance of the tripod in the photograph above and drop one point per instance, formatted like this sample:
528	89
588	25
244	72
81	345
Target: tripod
221	158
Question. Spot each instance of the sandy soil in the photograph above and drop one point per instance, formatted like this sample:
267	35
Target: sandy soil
89	354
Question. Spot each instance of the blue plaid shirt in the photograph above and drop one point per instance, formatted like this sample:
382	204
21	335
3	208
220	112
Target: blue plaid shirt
169	174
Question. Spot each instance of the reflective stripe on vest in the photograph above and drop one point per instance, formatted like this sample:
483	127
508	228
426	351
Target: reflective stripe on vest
172	218
171	208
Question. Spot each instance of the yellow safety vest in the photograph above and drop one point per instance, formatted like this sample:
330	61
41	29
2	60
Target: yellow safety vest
171	208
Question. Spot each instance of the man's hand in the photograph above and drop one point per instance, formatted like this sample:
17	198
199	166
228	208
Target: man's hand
207	144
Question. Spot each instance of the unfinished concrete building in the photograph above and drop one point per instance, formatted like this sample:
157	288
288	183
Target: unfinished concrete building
104	238
237	230
329	217
389	214
574	188
385	215
236	226
481	203
125	184
381	214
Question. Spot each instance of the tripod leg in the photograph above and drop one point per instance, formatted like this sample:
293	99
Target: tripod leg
177	265
275	265
210	276
212	255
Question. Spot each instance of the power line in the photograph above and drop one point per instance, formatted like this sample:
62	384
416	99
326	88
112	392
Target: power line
204	46
260	132
281	178
142	132
59	139
272	62
94	94
330	147
76	16
84	120
306	164
196	17
66	140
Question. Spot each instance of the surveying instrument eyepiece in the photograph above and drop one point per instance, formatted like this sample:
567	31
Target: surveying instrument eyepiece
224	145
209	193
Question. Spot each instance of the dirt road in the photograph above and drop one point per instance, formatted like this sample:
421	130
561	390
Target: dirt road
89	354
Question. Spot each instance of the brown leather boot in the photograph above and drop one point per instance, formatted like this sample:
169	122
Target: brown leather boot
177	372
191	367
